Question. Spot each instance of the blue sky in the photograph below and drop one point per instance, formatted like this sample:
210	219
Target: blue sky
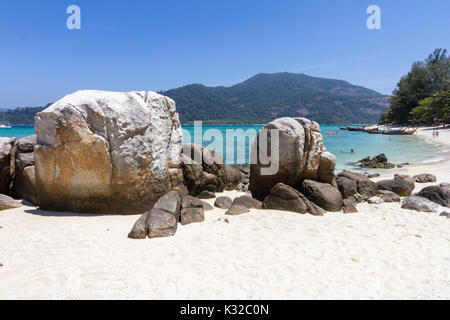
158	45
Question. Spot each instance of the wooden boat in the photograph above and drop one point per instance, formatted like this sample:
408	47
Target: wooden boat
393	132
343	128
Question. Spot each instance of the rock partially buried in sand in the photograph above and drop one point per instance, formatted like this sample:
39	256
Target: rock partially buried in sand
323	194
301	154
350	206
223	202
237	210
363	186
403	177
283	197
106	152
205	194
403	188
419	204
436	194
207	206
7	203
140	230
191	210
161	224
248	202
389	196
170	202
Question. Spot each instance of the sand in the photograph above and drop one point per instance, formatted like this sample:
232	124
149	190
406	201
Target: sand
382	252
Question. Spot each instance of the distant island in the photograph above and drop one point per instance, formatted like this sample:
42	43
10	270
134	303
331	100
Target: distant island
263	98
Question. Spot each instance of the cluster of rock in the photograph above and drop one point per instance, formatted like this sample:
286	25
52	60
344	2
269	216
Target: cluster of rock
378	162
17	171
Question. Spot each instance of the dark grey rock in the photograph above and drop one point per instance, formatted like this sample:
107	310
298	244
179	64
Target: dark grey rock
389	196
419	204
139	230
437	195
223	202
191	210
8	203
207	206
237	210
425	178
401	187
248	202
323	194
161	224
205	194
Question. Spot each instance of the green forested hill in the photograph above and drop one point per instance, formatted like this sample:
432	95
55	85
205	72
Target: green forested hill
265	97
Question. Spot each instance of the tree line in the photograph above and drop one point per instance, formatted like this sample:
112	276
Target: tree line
423	95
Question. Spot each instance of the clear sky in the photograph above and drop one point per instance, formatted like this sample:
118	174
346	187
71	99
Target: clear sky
163	44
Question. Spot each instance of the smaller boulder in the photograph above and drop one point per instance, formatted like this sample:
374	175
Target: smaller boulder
223	202
207	206
401	187
436	194
419	204
286	198
8	203
323	194
373	175
237	210
347	187
389	196
171	203
139	230
445	185
205	194
350	206
445	214
161	224
248	202
403	177
191	210
424	178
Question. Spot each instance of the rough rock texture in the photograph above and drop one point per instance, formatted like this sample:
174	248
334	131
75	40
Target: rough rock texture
236	210
350	206
161	224
8	203
323	194
419	204
170	202
375	200
191	210
203	169
403	177
388	196
223	202
437	195
107	152
207	206
6	145
424	178
284	197
205	194
445	185
378	162
301	155
248	202
140	229
365	187
403	188
24	181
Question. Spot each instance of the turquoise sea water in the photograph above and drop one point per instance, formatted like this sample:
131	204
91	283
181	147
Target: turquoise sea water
398	149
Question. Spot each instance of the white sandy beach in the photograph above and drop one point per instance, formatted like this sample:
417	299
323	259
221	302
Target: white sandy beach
382	252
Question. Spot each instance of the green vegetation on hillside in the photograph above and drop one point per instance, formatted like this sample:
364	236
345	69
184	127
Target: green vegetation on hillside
265	97
427	79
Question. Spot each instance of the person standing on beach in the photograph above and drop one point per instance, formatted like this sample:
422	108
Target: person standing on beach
437	134
434	133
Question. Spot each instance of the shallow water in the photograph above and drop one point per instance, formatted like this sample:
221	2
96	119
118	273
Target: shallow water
398	149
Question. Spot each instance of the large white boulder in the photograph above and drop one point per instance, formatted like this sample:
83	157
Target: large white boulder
107	152
299	152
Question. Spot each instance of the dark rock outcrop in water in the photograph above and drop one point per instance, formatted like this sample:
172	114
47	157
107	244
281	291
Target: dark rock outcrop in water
107	152
378	162
301	155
